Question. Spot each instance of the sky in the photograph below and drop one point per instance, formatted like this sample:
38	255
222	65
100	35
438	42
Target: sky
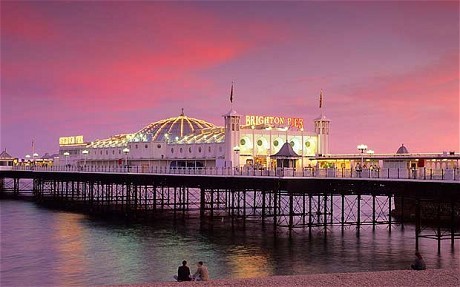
389	71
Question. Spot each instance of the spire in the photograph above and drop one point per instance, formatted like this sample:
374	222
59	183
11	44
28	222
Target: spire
182	113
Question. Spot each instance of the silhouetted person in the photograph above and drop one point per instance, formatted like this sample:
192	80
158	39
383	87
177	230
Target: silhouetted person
419	263
201	273
183	272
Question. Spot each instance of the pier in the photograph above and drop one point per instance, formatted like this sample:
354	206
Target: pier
317	200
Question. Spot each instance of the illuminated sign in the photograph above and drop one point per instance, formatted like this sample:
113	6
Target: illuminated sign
274	121
71	140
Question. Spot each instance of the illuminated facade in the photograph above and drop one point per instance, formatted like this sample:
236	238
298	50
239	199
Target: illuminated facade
188	142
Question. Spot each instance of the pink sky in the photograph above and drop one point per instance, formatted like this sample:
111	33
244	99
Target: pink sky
389	71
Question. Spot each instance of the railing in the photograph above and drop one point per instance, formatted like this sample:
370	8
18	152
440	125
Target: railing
375	173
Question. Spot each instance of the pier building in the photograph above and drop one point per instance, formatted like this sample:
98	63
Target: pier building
183	141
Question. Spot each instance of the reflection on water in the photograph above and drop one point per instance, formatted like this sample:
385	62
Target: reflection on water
40	247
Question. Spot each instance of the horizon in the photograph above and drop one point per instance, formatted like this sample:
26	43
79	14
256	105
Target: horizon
389	71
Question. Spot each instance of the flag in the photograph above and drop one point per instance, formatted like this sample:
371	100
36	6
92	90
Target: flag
231	94
321	99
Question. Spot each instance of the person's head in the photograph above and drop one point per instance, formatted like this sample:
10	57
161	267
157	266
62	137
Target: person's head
184	262
200	263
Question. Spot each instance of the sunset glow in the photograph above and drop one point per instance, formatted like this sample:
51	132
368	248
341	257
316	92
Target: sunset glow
389	71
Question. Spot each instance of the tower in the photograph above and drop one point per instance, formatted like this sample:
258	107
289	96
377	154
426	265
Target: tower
232	138
322	130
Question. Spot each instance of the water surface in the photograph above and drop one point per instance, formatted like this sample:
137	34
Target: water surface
42	247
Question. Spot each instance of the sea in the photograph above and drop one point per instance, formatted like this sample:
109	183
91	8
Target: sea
45	247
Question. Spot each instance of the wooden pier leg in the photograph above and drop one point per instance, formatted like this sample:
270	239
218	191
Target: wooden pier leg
452	224
389	213
438	232
342	217
304	208
263	206
309	214
244	207
212	203
358	215
402	212
175	203
325	214
291	211
373	212
332	210
417	222
202	202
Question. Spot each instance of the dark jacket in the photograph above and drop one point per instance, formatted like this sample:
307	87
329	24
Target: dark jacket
183	273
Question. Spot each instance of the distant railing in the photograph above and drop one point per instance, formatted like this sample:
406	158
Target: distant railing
372	173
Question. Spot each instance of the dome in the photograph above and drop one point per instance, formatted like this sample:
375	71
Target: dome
402	150
171	128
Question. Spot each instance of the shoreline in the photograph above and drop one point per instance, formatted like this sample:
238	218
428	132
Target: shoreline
396	278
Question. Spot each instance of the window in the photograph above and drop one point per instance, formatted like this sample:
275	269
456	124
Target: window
146	146
307	144
242	141
259	142
199	149
180	150
113	152
190	150
137	146
158	145
209	149
276	143
172	150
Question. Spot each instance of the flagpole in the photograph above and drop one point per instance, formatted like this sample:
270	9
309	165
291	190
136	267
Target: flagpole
231	95
321	102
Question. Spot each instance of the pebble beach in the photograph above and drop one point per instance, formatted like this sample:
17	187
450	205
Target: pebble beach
396	278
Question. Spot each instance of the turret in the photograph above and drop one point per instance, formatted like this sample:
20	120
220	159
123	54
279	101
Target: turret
232	138
322	130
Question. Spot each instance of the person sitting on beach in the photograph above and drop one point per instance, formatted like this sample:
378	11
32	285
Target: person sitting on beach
183	272
419	263
201	273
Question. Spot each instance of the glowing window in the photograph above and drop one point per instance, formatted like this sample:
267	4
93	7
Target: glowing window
242	141
276	143
307	144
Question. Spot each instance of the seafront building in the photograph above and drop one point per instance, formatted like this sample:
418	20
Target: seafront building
184	141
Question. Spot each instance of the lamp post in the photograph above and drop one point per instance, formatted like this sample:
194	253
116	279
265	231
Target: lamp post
126	151
362	148
85	154
66	154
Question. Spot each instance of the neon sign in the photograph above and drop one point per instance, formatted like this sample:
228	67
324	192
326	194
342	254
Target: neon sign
71	140
274	121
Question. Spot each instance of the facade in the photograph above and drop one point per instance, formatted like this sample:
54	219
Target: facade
184	141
